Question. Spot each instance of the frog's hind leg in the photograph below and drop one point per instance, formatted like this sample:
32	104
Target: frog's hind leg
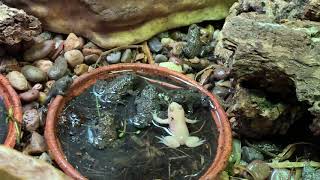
169	141
194	141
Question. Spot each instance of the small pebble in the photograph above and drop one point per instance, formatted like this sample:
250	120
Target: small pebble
220	73
58	39
216	34
49	84
8	64
18	81
249	154
114	57
166	41
73	42
59	68
37	144
280	174
42	97
44	65
159	58
177	48
220	91
126	56
33	74
139	56
45	157
31	120
74	57
178	36
186	68
260	169
43	37
155	45
81	69
175	60
91	69
91	59
39	51
90	51
90	45
37	86
29	106
30	95
194	60
163	35
172	66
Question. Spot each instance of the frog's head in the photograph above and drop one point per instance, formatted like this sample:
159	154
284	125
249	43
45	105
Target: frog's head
175	110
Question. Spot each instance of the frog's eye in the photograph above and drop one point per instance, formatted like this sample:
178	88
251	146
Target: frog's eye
180	107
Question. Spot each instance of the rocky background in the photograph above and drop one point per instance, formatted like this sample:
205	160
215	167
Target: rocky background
262	63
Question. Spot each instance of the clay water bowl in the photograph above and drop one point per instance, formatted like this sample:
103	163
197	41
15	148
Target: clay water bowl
11	100
224	138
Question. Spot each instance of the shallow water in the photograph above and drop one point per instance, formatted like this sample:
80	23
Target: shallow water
137	154
3	124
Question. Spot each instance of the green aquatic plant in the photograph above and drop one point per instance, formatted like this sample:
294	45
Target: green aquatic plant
124	131
10	117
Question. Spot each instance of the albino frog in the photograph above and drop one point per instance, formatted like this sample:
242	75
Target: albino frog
178	130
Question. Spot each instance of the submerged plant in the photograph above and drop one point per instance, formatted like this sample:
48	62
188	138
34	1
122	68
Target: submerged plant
124	131
10	117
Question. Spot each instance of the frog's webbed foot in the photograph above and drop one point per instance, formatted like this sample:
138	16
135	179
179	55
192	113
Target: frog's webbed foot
191	121
159	120
169	141
194	141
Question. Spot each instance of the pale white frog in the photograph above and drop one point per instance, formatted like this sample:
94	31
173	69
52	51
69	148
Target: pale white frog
178	130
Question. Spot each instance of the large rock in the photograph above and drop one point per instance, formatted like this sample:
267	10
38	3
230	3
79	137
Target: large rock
273	52
16	25
15	165
111	23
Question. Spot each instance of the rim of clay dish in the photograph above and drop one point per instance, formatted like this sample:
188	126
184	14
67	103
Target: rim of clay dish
11	99
224	145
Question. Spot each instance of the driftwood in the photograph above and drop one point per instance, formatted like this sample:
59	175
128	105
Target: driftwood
113	23
16	25
276	54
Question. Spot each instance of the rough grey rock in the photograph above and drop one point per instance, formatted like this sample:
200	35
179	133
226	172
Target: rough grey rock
16	25
278	58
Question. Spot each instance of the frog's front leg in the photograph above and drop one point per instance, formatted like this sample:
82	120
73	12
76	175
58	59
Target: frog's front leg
159	120
194	141
169	141
191	121
60	92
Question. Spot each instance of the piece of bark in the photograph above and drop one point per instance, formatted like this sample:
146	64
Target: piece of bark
280	59
16	25
114	23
